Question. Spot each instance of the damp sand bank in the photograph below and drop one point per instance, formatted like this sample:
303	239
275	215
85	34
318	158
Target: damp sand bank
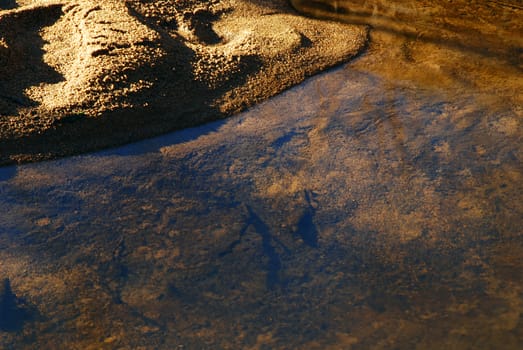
77	76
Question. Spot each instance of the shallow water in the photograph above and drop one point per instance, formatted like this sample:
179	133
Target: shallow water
375	206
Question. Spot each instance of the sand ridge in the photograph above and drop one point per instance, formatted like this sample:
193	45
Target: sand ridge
83	75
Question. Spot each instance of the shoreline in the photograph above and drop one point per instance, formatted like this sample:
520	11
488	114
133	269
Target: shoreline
100	76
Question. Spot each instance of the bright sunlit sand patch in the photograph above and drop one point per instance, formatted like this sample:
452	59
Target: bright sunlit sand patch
96	74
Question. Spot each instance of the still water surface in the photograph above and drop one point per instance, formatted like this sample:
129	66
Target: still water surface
378	205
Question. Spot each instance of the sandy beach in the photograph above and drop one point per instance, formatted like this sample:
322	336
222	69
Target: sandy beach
77	76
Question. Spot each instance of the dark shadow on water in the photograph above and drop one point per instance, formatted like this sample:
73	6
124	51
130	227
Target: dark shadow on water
14	312
307	230
306	226
7	173
274	262
155	144
281	141
269	243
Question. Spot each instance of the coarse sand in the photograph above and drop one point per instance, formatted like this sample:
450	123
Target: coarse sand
77	76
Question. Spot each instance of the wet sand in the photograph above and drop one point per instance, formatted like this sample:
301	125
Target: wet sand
83	75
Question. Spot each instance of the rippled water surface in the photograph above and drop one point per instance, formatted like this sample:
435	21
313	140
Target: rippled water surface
377	206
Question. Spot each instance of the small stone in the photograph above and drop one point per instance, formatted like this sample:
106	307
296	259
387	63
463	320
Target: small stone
110	340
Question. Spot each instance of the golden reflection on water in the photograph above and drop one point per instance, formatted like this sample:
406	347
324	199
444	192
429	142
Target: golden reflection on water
376	206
